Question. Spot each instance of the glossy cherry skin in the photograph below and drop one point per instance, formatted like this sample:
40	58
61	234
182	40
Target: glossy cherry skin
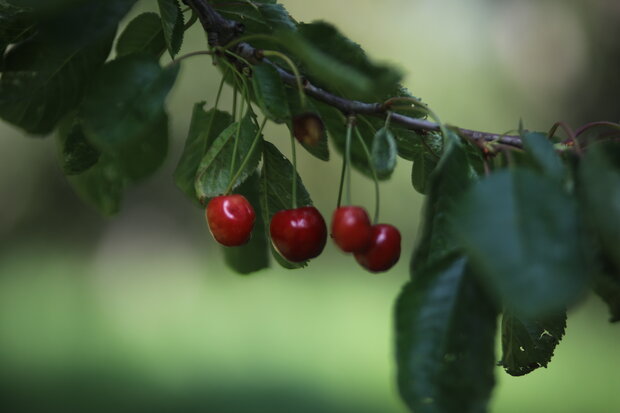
351	229
298	234
231	219
384	250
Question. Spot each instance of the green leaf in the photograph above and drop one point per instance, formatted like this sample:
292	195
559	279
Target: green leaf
607	286
259	16
599	192
77	154
384	152
203	129
173	24
445	334
253	256
332	60
144	34
125	99
270	92
423	166
42	80
16	25
543	156
214	175
523	234
528	344
335	123
451	178
276	191
101	186
146	153
45	77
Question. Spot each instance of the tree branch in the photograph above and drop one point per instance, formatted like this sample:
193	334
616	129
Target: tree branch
221	31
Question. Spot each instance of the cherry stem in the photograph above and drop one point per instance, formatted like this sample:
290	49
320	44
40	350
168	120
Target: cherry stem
243	39
293	67
595	124
294	175
350	122
236	56
234	103
188	55
375	219
569	132
217	101
342	174
247	158
192	19
387	119
241	116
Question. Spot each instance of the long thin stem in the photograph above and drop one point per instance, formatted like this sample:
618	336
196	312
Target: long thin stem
294	174
234	103
217	101
569	132
236	144
188	55
247	158
341	186
347	155
375	179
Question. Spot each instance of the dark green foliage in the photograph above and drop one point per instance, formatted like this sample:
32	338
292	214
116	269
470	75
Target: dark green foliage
599	193
77	154
424	163
46	75
523	235
270	93
542	155
340	64
260	16
203	129
253	256
214	173
144	34
528	344
607	286
172	23
599	189
142	157
126	98
16	25
101	186
448	182
445	334
384	152
276	191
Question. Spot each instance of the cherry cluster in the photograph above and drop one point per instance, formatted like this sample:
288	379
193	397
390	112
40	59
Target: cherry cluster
300	234
375	247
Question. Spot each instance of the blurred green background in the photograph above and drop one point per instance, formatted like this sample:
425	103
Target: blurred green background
137	313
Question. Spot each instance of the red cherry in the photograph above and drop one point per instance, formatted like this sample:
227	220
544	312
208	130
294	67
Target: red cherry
231	219
298	234
351	229
384	250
